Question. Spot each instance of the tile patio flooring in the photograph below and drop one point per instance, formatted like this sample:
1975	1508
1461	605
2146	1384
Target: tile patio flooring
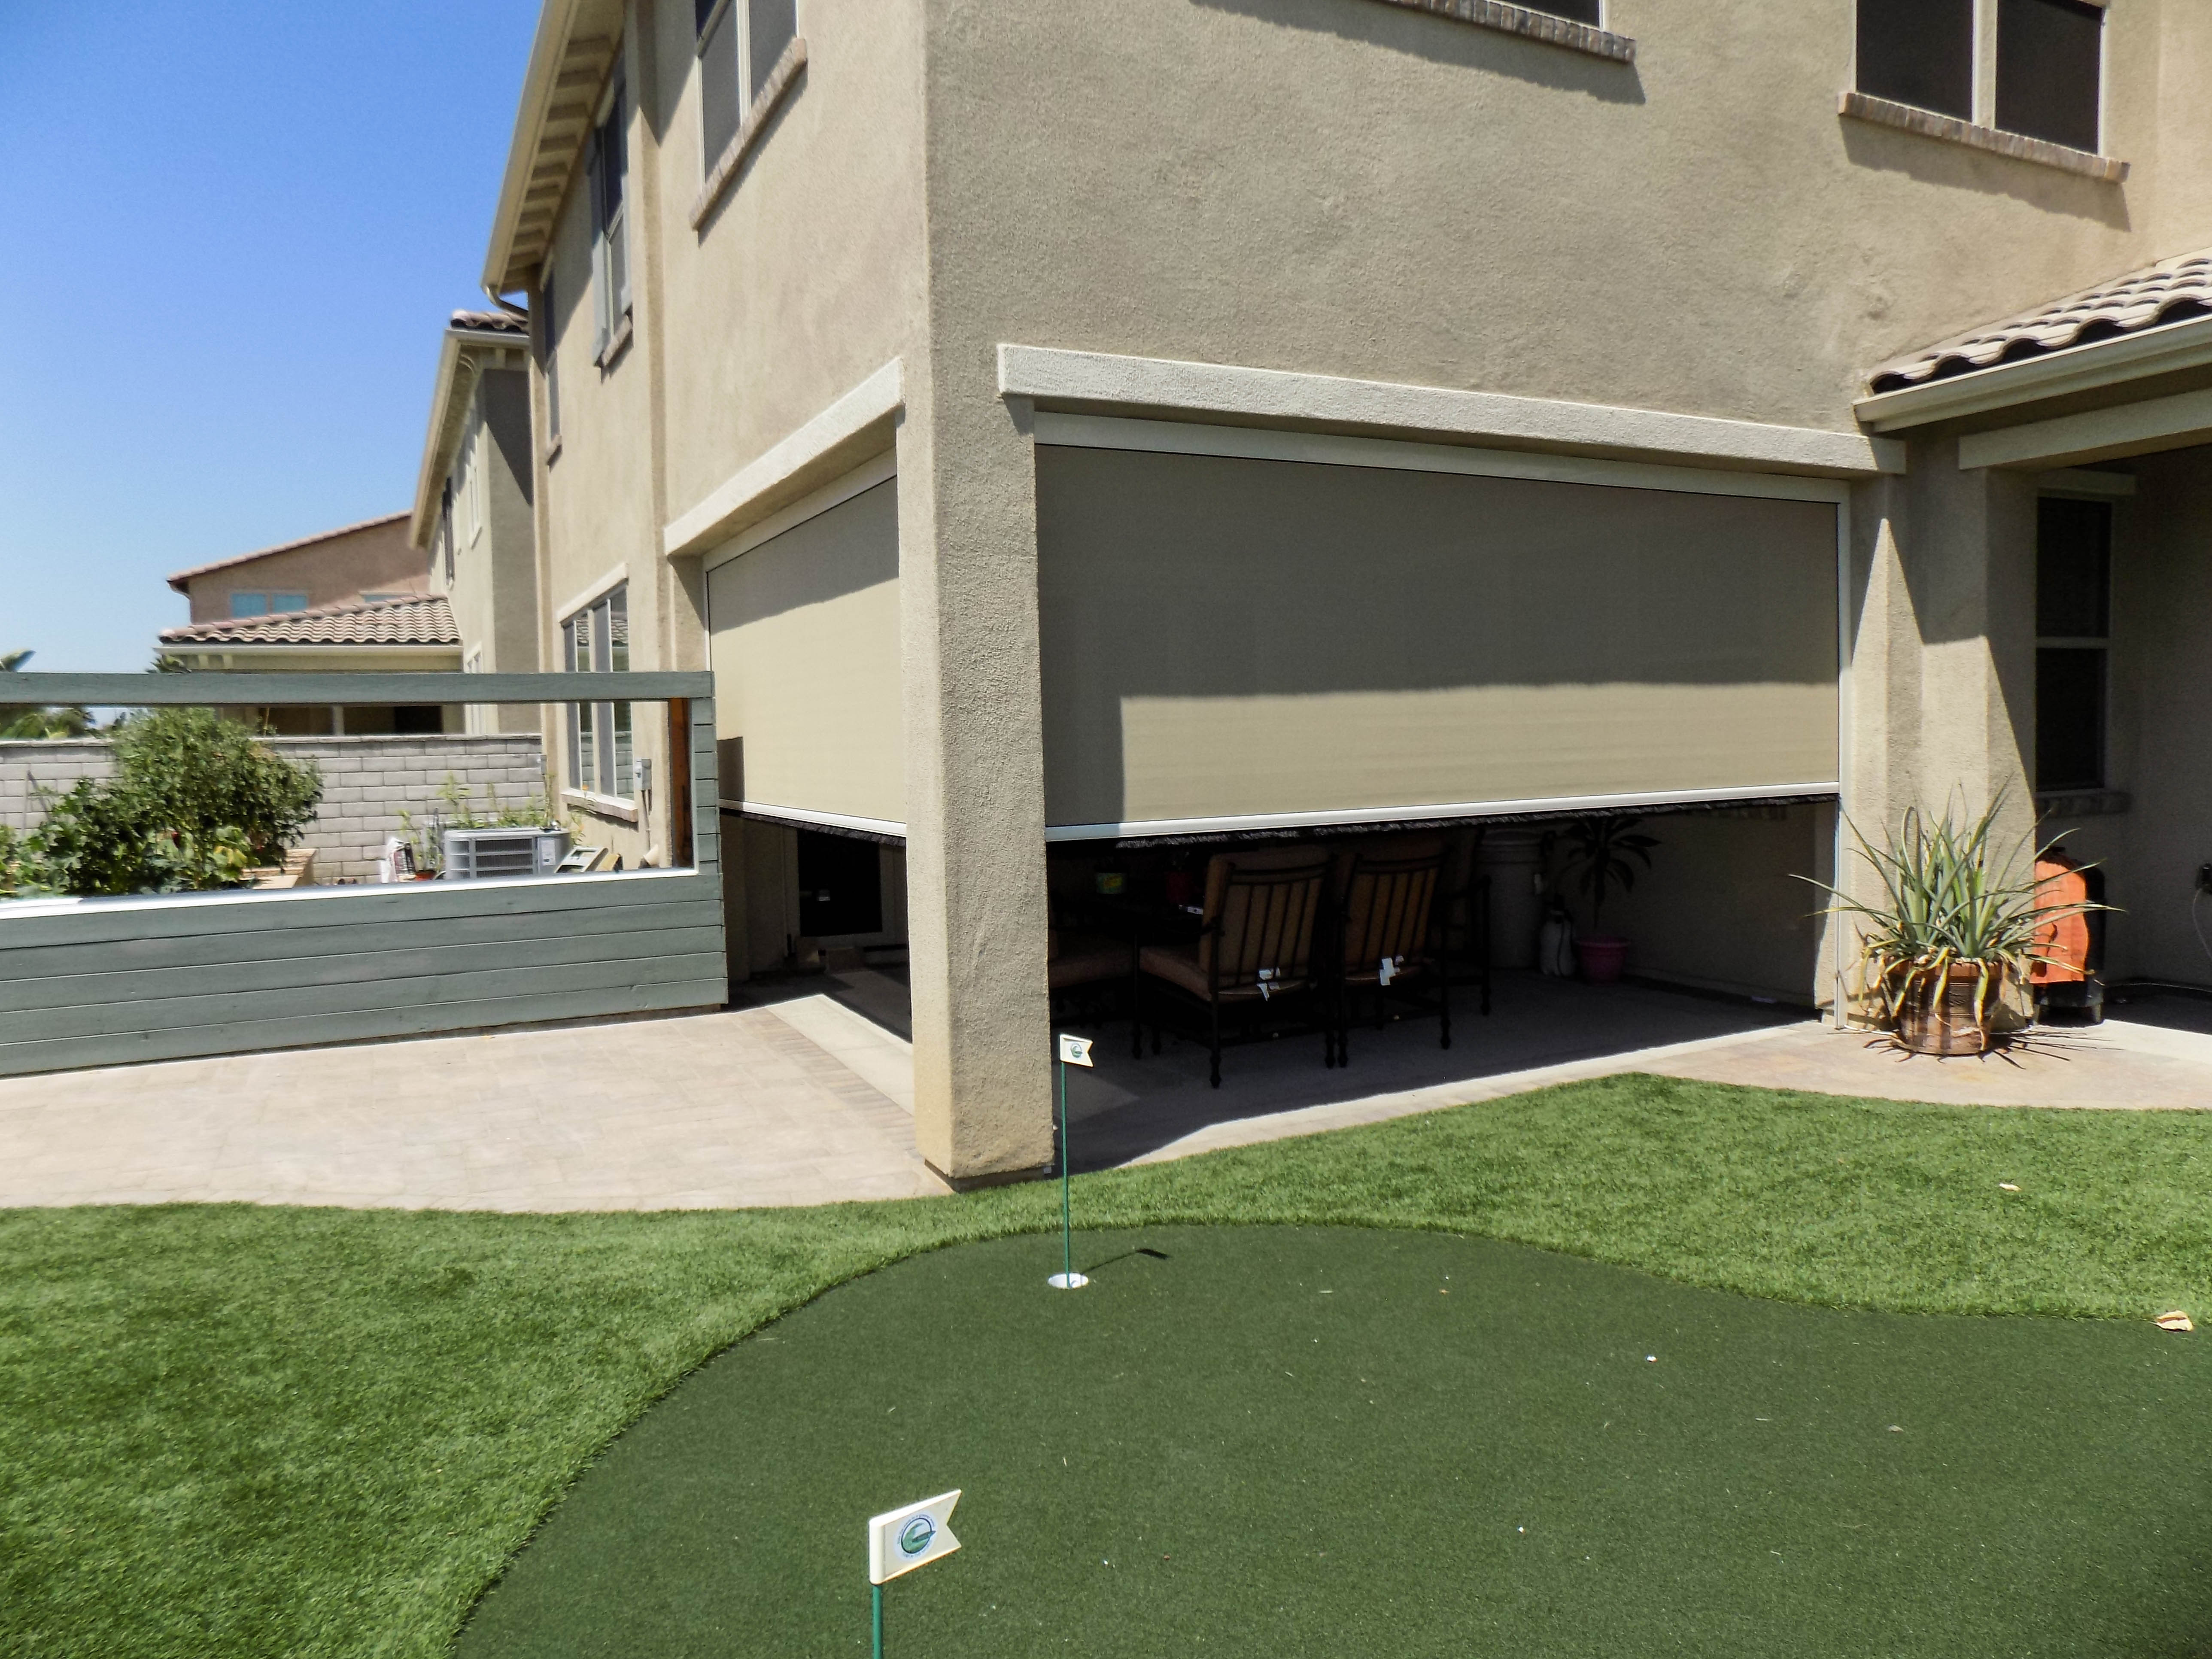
803	1101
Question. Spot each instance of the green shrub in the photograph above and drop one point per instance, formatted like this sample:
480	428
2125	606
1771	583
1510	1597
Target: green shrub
194	803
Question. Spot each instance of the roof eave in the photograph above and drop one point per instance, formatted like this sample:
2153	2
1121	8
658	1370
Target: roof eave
564	58
2159	350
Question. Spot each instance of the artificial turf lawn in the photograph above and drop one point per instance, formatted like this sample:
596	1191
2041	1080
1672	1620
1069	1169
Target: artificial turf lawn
1267	1440
232	1430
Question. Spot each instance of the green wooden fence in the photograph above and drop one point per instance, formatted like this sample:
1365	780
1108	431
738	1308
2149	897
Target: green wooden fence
98	982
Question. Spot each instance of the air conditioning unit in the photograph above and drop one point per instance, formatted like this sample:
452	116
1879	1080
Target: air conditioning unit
479	855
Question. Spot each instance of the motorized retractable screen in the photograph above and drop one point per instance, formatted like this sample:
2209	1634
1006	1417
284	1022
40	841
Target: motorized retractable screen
806	652
1228	639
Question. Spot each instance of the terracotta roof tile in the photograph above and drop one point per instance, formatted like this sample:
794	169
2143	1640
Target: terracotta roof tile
2172	291
422	620
492	322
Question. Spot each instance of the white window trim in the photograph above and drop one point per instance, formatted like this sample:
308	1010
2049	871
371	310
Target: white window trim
599	589
835	493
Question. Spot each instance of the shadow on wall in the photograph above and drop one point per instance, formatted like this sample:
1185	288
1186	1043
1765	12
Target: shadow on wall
1447	41
1954	166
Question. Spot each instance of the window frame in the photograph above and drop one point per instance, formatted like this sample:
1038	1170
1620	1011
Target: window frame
601	737
2098	644
255	604
751	76
1986	54
608	189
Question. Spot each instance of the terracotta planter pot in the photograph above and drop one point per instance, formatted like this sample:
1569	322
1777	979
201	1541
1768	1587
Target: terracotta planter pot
1602	959
1937	1016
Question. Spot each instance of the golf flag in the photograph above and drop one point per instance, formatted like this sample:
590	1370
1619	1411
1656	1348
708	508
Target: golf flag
912	1537
1074	1050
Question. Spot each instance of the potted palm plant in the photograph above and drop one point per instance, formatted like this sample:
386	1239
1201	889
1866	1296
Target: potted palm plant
1955	923
1602	854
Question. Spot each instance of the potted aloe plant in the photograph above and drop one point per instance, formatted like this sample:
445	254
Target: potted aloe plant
1602	854
1955	924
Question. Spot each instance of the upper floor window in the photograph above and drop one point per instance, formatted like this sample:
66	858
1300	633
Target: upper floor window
266	605
2073	628
596	639
1919	53
607	168
1575	11
2051	69
2046	80
739	42
549	356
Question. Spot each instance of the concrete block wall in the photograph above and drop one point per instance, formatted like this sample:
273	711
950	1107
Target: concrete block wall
367	783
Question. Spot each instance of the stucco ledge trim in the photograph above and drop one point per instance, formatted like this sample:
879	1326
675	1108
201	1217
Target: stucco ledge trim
781	80
1101	382
1530	25
798	463
1882	112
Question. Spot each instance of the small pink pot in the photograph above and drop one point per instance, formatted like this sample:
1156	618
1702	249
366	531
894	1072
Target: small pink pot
1602	959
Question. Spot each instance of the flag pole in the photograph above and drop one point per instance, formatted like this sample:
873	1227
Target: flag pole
876	1595
1076	1051
1066	1227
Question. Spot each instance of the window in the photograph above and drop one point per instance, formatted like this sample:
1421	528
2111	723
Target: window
478	512
2047	76
596	639
382	598
283	603
249	605
2050	65
2073	623
739	42
443	547
607	167
549	359
1919	53
1575	11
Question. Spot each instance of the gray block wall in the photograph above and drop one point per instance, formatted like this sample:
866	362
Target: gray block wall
367	783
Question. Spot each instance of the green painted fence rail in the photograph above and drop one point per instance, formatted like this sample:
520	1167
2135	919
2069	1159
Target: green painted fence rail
100	982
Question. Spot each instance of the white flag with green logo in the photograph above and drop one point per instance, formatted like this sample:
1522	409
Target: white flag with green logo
912	1537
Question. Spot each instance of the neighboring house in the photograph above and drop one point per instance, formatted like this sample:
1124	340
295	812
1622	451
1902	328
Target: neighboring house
414	635
356	597
1063	426
471	517
356	564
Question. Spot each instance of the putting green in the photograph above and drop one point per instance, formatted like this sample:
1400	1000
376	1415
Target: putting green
1287	1441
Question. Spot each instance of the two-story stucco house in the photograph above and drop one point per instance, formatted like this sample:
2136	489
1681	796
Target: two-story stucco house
472	522
1067	427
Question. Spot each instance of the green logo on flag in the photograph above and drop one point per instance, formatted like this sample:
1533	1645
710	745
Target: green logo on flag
914	1537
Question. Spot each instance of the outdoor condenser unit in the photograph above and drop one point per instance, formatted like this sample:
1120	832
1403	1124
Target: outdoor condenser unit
475	854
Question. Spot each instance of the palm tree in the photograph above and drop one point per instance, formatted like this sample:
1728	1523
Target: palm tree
18	721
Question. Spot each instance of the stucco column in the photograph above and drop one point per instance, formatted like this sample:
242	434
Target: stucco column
1969	561
975	773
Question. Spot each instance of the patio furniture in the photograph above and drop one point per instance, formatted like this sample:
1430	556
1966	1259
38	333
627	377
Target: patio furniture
1385	940
1254	949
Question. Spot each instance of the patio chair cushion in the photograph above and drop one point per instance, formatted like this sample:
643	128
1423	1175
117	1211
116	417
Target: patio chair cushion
1085	959
1268	926
1180	966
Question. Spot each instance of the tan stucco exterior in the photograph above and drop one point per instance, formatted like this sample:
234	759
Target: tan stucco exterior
1328	188
337	567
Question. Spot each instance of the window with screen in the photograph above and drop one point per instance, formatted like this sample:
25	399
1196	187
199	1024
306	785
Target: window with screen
607	171
1575	11
249	605
549	356
2073	627
285	604
596	640
2051	70
1919	53
739	43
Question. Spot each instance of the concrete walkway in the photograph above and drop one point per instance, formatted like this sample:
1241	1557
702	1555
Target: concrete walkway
805	1102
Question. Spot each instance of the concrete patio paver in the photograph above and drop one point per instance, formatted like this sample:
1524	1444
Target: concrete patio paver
805	1102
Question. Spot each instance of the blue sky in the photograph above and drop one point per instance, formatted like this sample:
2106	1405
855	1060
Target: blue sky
233	232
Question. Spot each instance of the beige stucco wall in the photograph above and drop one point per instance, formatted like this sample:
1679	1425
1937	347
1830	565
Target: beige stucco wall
1356	188
334	570
493	591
